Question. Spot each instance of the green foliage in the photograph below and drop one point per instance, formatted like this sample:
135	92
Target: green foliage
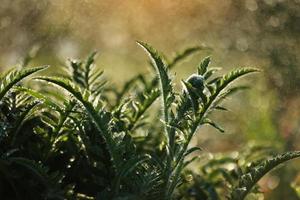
82	139
13	77
257	171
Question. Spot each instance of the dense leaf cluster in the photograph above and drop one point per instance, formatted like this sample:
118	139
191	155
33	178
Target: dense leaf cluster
81	139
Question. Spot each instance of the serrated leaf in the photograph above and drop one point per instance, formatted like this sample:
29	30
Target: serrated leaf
16	76
233	75
165	83
248	180
203	65
100	122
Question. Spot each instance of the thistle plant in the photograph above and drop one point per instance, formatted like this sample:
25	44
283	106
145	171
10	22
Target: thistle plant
77	143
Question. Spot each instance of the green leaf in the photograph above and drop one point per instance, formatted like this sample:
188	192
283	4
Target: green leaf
127	168
248	180
101	123
213	124
192	150
210	72
87	71
233	75
203	66
221	108
165	81
22	118
46	100
14	77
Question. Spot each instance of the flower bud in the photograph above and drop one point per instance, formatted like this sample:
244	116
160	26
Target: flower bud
197	81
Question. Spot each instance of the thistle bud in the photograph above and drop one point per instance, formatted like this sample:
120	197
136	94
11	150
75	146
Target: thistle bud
197	81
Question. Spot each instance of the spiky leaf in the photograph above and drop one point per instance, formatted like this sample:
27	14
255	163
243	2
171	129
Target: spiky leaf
248	180
14	77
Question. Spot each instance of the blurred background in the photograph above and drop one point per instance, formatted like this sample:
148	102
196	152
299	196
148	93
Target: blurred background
259	33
